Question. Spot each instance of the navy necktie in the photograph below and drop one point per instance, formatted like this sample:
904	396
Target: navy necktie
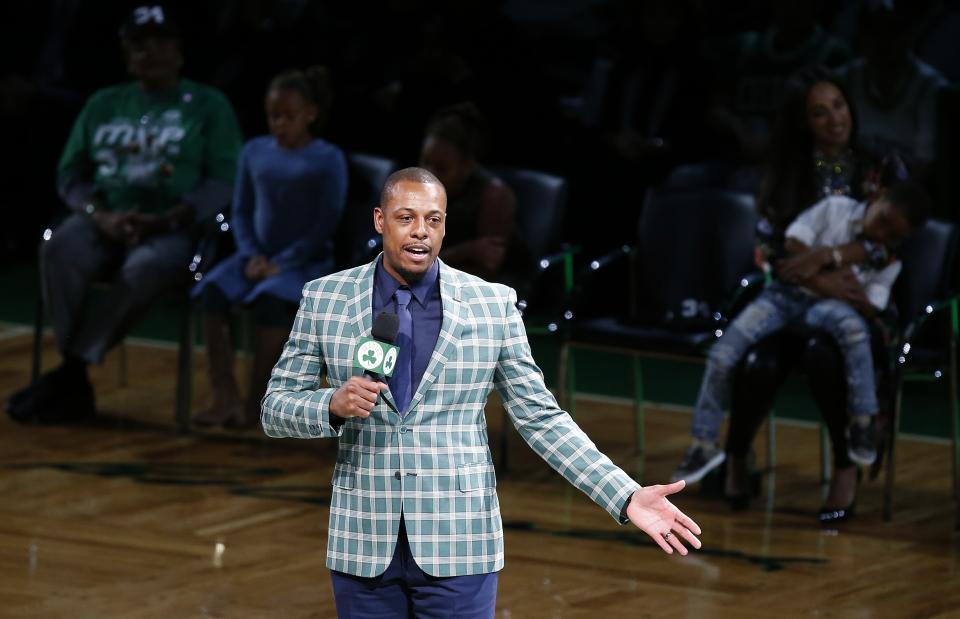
403	376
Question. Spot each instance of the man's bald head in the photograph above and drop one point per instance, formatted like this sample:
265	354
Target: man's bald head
409	175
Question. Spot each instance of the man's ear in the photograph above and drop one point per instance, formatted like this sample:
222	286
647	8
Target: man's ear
378	219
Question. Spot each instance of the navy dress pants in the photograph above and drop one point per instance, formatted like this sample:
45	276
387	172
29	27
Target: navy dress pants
405	591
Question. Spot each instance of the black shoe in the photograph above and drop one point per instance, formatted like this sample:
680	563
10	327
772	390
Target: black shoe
862	442
19	398
22	405
77	407
60	396
835	516
43	391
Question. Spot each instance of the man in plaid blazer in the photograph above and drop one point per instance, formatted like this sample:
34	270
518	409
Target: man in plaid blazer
414	517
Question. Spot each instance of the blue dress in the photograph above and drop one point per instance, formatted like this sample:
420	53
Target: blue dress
286	206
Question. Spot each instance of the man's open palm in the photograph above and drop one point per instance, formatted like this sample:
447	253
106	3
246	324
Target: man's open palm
656	516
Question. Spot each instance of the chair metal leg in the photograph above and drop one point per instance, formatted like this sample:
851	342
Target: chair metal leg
184	371
37	360
771	456
955	415
771	440
892	447
122	363
565	379
639	418
562	375
824	455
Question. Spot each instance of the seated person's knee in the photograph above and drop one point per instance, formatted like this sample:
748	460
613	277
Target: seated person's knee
273	312
723	357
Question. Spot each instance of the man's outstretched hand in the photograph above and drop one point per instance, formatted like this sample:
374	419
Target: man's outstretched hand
656	516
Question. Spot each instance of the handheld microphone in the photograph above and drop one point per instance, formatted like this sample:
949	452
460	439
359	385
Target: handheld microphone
377	355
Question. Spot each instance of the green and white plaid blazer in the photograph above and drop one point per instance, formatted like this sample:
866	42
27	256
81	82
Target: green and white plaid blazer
434	464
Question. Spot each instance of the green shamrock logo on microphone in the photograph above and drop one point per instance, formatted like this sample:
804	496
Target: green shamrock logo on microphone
389	360
370	355
375	356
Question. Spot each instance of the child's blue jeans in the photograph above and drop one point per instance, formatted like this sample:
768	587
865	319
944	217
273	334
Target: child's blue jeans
780	306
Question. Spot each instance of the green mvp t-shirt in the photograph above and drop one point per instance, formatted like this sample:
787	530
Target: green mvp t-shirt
146	151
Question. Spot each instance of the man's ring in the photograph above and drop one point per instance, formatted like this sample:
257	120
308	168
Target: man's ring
666	536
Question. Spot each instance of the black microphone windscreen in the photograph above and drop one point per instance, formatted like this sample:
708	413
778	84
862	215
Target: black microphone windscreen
385	327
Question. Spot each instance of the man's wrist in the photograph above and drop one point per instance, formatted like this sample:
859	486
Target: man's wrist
623	511
334	419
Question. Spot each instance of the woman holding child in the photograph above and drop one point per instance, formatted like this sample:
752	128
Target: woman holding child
825	236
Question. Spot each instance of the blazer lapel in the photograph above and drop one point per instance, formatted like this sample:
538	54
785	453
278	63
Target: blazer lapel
360	308
454	317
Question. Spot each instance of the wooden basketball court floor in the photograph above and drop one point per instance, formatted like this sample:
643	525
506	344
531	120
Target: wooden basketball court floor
123	517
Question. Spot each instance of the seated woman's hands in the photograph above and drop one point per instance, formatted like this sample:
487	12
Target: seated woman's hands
259	268
131	227
483	256
843	285
489	252
114	226
799	268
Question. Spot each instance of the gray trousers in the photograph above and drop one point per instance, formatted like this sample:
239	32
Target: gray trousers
77	255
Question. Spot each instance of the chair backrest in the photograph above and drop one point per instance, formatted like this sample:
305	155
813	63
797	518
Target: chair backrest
717	175
928	257
356	237
541	200
694	247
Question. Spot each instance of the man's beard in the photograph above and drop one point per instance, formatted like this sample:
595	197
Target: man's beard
412	277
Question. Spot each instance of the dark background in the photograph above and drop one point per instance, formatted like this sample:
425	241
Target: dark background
530	65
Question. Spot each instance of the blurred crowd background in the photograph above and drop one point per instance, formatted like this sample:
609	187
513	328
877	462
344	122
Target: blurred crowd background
611	95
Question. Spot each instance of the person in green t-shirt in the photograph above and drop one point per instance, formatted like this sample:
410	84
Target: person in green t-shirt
144	160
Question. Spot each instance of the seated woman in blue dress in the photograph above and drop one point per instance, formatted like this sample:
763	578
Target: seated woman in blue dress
290	194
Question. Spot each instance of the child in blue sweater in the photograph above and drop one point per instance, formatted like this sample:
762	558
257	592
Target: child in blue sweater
290	194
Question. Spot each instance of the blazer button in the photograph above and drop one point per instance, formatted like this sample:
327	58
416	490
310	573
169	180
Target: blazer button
397	475
404	429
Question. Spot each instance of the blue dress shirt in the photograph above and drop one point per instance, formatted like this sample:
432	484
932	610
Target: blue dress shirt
426	310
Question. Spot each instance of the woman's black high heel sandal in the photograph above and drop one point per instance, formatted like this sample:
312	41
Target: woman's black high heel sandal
836	515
